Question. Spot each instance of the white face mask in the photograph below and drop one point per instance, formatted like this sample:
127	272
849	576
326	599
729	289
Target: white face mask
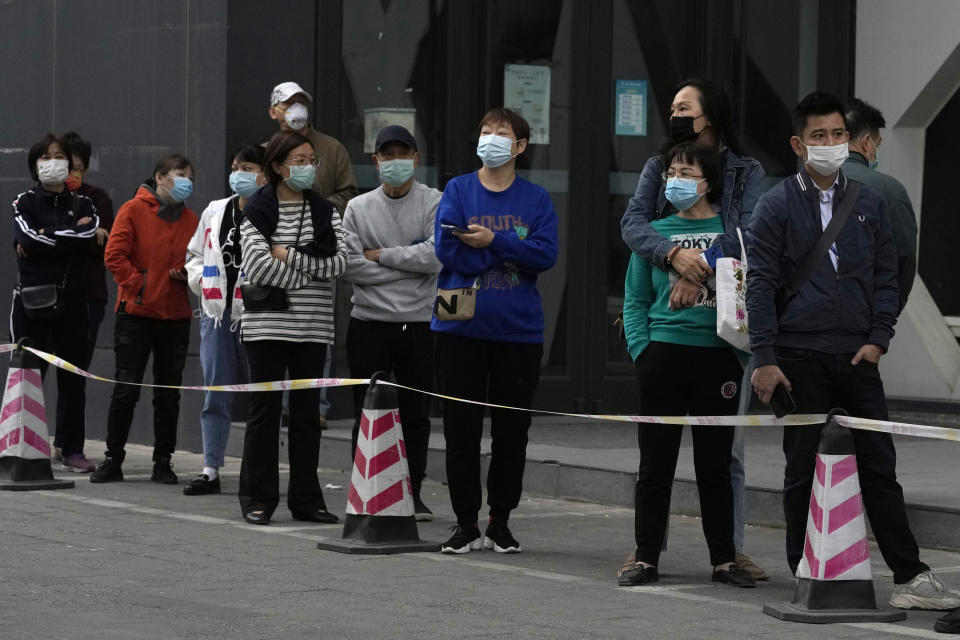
296	116
52	171
827	160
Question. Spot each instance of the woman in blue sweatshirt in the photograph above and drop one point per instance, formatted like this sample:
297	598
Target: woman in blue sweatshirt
495	232
682	368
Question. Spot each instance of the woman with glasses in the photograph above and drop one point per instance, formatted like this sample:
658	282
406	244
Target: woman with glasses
701	111
292	248
682	368
213	274
146	253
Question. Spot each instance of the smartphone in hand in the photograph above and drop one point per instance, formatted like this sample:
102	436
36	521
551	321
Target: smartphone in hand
452	227
782	402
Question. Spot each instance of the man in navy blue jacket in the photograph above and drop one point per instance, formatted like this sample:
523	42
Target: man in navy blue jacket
824	343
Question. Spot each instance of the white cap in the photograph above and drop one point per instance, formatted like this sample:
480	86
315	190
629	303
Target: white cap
286	90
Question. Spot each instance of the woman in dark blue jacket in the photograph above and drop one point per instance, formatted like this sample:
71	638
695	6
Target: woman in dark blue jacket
55	231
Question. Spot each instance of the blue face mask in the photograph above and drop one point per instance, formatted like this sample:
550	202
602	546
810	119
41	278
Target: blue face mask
244	183
301	176
682	192
494	150
182	188
873	164
396	172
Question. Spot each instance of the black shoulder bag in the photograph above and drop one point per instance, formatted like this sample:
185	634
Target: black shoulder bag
787	293
258	298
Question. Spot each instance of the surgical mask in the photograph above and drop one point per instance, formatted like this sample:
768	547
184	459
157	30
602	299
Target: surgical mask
244	183
827	160
296	116
682	192
53	171
873	164
182	188
301	176
681	128
74	180
494	150
396	172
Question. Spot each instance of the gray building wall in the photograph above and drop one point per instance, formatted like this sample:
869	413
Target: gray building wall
139	79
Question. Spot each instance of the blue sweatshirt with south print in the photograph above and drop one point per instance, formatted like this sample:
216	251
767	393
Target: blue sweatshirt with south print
524	224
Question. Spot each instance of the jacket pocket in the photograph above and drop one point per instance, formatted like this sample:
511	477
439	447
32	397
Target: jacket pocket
143	287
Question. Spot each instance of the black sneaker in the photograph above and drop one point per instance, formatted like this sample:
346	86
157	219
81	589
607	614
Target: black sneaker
735	577
638	575
202	485
465	538
498	537
949	623
108	471
163	471
420	510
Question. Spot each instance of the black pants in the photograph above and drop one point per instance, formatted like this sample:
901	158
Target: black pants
134	339
95	313
271	360
65	337
681	380
823	381
504	373
406	349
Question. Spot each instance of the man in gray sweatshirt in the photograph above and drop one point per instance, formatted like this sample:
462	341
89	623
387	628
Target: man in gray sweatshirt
393	267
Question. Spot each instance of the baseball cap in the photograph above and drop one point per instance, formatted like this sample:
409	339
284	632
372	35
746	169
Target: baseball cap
286	90
395	133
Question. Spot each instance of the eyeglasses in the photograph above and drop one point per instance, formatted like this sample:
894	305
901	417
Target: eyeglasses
667	175
300	161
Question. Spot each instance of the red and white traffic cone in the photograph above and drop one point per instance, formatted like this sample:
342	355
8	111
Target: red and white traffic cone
380	515
834	581
24	449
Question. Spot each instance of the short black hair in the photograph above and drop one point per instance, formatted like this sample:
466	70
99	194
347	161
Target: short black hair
165	165
247	152
863	117
39	148
280	145
521	128
817	103
75	145
710	161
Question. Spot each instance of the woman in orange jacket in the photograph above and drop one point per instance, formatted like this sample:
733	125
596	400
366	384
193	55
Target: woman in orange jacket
146	254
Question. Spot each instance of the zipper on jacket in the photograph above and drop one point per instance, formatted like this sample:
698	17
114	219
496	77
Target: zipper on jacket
143	287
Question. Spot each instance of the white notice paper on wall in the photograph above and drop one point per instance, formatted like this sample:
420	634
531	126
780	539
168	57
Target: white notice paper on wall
526	89
377	119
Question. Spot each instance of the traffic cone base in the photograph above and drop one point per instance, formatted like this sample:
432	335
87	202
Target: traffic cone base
380	515
17	474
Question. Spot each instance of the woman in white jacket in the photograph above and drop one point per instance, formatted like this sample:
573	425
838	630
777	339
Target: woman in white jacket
214	275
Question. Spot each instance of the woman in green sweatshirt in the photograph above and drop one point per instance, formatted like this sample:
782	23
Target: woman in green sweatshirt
683	368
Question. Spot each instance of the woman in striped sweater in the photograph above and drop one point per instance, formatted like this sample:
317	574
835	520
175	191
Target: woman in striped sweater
293	246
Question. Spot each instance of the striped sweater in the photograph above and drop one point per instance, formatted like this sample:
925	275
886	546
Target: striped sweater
306	279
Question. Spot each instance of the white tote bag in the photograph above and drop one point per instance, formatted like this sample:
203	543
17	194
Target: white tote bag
732	299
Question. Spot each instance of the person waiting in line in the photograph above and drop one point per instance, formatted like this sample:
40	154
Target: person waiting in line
490	350
79	151
213	274
665	342
702	111
54	232
146	253
393	266
290	107
865	122
293	246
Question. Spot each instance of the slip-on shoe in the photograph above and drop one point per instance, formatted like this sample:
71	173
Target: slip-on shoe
257	517
321	516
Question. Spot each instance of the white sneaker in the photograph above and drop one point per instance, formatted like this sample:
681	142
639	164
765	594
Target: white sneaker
926	591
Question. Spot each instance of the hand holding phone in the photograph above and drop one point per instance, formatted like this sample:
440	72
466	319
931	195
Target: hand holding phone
452	227
782	402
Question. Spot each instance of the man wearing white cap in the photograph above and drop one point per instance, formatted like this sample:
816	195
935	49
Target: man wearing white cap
290	106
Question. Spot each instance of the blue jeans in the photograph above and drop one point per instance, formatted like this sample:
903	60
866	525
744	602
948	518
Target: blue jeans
224	361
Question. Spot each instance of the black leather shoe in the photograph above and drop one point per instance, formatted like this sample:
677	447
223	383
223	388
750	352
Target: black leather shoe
638	575
321	516
735	577
257	517
202	485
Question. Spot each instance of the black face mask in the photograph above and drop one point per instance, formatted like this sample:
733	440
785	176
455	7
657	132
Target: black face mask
681	129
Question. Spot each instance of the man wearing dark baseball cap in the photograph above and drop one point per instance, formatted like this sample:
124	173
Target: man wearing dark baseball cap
393	268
